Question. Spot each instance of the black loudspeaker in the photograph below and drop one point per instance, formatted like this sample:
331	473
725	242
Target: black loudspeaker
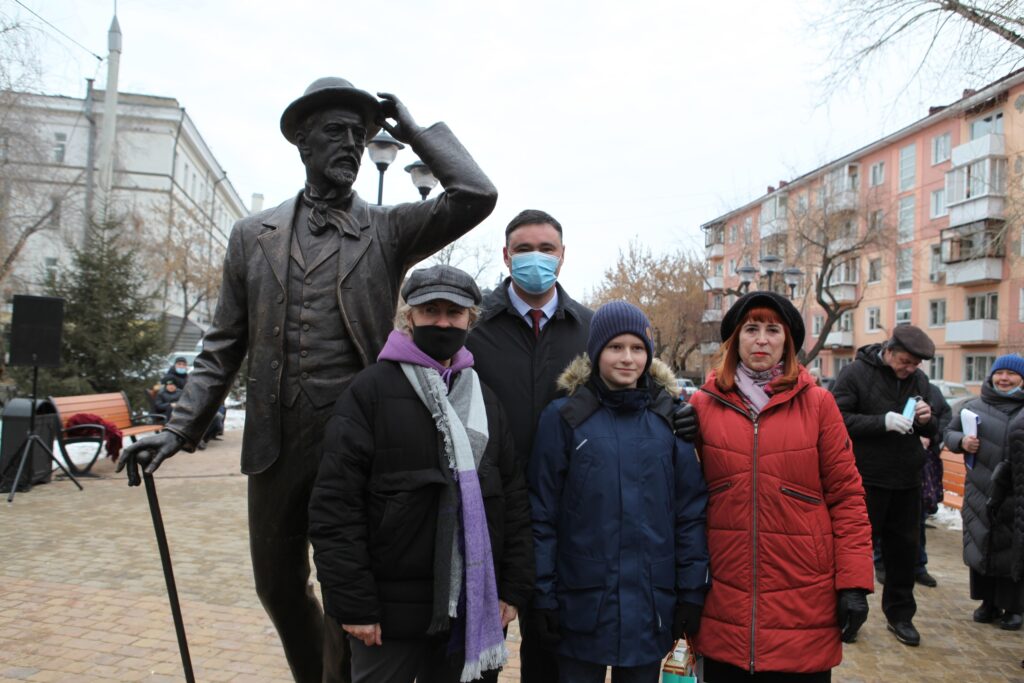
36	325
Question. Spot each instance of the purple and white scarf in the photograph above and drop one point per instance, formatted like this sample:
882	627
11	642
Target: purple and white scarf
461	419
755	386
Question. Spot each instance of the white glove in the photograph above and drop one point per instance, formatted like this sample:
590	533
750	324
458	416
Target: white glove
894	422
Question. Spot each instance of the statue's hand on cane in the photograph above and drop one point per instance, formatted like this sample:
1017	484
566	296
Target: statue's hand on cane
149	453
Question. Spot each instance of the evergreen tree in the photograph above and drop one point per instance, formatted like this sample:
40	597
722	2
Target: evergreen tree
111	342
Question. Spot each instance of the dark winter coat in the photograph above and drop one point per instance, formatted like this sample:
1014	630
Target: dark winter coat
373	511
787	528
987	542
174	378
522	369
163	399
618	519
1016	453
378	245
865	391
931	473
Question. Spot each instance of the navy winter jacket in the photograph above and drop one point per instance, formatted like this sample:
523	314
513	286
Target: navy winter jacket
618	520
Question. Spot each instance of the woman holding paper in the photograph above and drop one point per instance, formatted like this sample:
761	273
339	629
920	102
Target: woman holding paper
981	433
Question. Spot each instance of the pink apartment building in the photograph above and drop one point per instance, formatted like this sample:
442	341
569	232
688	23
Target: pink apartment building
944	198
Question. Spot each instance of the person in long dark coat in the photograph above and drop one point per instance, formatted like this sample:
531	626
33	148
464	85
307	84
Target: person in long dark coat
987	511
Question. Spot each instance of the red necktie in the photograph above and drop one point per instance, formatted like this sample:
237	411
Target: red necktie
536	314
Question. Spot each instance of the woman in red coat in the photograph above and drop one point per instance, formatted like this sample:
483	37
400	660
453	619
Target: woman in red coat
788	532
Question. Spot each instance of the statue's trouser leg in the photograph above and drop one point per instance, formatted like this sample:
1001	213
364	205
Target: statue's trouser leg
278	541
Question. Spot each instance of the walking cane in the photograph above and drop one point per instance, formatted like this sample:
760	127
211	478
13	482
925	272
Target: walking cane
172	591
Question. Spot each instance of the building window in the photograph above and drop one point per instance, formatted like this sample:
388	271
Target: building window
50	268
935	269
874	270
716	301
988	125
845	322
976	367
876	221
979	178
718	269
838	364
55	211
983	306
732	233
874	317
748	230
940	148
936	313
937	367
905	227
816	364
903	309
908	172
732	266
845	273
877	174
817	323
939	203
60	147
905	270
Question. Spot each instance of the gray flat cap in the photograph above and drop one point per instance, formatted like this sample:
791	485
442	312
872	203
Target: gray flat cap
441	282
914	341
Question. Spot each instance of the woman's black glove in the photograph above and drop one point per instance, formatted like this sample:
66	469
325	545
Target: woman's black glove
686	621
684	423
1001	486
852	612
545	627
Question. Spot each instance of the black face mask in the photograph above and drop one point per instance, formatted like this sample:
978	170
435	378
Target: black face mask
440	343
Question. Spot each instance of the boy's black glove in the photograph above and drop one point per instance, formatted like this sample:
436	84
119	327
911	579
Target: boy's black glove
684	423
686	621
545	627
852	612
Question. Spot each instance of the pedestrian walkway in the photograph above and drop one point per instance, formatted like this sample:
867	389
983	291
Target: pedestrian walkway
83	594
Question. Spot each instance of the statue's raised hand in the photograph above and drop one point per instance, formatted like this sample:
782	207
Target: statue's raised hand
405	128
149	453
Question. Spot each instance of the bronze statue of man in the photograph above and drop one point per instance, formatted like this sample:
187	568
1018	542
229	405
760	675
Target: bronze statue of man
309	292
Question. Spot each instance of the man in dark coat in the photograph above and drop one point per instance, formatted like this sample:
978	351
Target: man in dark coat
529	331
872	393
309	292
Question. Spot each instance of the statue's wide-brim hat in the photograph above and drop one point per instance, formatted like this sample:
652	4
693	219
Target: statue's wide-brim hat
331	92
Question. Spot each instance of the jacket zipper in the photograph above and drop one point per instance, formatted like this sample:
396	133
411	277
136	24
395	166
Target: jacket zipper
753	546
719	489
801	496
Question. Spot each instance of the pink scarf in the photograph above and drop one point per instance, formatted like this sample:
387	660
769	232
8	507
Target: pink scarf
755	387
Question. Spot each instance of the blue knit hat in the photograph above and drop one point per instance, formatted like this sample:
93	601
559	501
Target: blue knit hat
1010	361
613	319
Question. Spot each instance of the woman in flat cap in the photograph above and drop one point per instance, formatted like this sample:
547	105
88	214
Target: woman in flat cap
788	532
419	518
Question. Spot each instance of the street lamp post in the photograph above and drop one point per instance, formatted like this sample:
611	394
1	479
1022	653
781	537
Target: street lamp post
792	277
770	264
422	177
747	274
382	150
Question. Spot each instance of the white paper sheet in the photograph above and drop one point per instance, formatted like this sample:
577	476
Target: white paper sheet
969	422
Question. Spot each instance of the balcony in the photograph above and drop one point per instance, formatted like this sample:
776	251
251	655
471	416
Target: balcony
839	339
715	251
775	226
714	284
980	208
709	348
972	332
974	271
844	292
712	315
992	145
843	200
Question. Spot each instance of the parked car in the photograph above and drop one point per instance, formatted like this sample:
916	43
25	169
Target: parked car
686	387
956	394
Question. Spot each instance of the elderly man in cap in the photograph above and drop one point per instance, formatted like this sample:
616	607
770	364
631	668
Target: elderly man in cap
309	292
881	396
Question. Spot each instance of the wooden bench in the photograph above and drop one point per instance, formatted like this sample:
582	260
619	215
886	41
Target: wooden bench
113	408
953	474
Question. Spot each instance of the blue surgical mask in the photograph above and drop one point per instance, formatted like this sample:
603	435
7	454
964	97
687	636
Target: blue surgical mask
1012	392
534	272
181	371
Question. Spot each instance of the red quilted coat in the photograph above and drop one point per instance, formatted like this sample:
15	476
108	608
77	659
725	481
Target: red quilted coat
787	528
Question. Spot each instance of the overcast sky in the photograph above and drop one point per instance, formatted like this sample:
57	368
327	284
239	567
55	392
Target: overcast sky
626	121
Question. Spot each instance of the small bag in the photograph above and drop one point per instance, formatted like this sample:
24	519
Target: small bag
681	665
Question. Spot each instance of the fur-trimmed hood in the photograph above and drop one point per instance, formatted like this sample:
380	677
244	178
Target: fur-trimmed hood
578	372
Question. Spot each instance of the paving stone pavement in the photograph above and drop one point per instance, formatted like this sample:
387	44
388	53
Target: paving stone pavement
83	597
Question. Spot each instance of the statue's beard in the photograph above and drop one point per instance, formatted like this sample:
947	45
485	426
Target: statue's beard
341	176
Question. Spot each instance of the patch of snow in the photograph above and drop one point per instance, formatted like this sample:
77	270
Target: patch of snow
234	419
949	518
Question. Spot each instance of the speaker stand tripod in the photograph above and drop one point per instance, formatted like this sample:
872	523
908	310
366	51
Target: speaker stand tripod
32	439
